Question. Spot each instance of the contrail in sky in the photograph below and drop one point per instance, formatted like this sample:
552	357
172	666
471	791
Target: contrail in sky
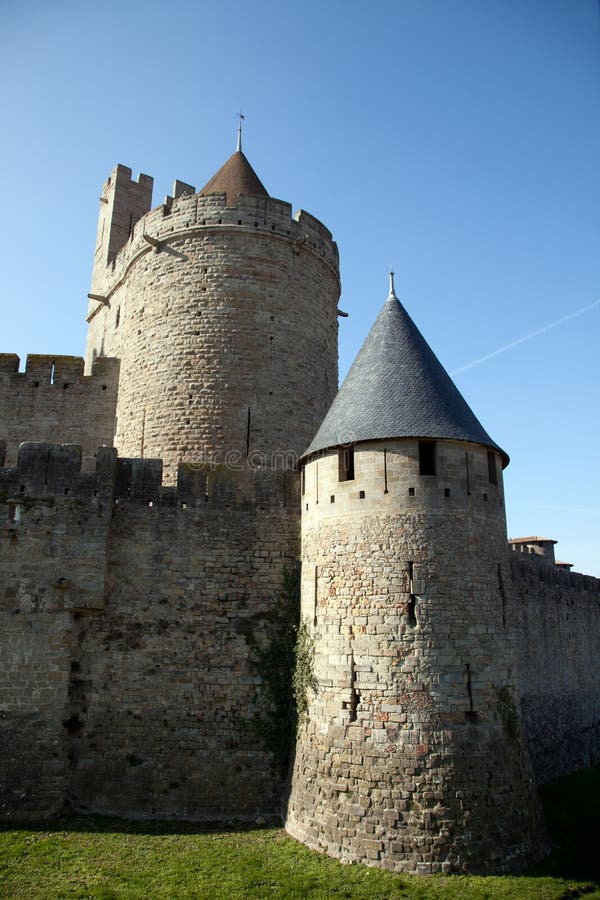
575	509
528	337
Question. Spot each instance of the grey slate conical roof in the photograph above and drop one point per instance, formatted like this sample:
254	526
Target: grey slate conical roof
398	388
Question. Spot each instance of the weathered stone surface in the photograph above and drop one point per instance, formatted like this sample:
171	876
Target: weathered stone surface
135	590
420	679
129	680
227	337
54	401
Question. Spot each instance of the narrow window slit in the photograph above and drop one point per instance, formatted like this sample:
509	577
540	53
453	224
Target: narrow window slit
354	695
385	480
346	464
470	714
411	606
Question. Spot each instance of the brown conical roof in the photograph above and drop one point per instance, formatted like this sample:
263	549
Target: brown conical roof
235	177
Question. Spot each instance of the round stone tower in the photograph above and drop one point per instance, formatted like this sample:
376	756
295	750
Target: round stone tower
222	308
412	756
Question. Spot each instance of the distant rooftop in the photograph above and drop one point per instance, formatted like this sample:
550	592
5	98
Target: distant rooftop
535	539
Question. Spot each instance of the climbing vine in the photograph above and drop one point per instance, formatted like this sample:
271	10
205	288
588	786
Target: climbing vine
304	681
507	711
285	666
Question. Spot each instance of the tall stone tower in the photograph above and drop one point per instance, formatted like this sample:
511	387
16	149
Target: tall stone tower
222	308
412	756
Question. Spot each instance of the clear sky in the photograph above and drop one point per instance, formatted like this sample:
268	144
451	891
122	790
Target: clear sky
458	140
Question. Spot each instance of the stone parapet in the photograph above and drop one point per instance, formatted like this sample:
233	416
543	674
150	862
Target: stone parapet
164	227
555	618
53	401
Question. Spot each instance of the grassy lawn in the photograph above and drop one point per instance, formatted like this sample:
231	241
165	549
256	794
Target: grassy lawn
106	858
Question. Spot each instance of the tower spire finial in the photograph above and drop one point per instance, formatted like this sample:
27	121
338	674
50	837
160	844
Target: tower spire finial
392	294
239	139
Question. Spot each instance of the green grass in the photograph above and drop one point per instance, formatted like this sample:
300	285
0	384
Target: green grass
95	857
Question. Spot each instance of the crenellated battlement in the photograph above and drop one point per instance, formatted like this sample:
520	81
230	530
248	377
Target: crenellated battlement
45	470
53	401
201	303
52	369
185	214
123	202
48	471
529	571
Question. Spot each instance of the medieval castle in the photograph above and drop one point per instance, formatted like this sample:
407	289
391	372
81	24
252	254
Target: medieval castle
150	507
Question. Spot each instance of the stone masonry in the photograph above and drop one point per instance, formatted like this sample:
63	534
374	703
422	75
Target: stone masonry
413	755
52	400
152	508
204	320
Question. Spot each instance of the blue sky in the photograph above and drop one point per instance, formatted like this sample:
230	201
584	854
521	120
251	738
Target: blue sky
458	140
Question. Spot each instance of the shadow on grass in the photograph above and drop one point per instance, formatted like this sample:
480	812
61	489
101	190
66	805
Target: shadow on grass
571	805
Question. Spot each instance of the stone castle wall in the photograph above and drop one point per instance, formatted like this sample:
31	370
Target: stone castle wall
129	616
226	328
135	591
53	535
555	616
412	757
52	400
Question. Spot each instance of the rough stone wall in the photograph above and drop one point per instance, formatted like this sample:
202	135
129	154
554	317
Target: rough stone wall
130	613
169	689
412	757
556	619
53	401
53	526
123	202
227	332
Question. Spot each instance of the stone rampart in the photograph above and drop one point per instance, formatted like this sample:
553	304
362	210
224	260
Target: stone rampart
54	524
555	616
52	400
131	613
